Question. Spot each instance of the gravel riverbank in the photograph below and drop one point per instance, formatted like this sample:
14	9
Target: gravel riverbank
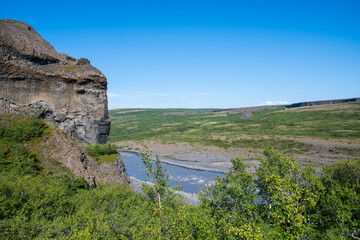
203	158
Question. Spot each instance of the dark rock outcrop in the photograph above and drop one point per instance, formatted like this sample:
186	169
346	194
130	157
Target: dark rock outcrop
71	92
324	102
246	114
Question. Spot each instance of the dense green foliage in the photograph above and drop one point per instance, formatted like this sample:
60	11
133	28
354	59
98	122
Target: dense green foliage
102	153
161	189
56	206
286	201
16	130
36	201
282	201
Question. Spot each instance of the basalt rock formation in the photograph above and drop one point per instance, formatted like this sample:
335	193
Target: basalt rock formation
55	147
324	102
71	90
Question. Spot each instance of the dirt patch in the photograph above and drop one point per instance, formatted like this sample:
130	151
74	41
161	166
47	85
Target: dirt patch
331	107
222	138
121	117
171	124
347	111
130	111
218	115
350	131
253	125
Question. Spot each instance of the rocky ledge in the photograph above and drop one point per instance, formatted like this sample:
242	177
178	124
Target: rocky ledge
71	90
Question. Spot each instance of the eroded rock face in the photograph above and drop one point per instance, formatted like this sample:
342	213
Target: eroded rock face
71	155
73	91
68	153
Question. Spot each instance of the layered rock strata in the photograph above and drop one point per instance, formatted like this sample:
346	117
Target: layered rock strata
72	91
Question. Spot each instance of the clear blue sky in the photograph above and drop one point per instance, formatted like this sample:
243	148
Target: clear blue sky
180	53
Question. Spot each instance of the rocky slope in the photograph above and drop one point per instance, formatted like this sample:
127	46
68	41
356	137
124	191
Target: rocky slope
72	91
58	150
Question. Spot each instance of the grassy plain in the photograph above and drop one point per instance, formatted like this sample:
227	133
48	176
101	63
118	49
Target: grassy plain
316	135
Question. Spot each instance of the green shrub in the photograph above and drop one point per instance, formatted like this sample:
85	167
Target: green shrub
340	205
98	150
16	131
62	207
24	161
4	150
106	158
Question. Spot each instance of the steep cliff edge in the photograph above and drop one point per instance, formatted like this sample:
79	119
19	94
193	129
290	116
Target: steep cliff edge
68	93
72	91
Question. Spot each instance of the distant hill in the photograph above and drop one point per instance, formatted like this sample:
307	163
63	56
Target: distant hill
323	102
246	110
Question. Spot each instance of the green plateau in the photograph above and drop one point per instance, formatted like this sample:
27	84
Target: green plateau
314	135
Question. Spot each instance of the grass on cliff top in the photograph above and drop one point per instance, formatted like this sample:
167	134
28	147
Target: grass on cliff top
277	127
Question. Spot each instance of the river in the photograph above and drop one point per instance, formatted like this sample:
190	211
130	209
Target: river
192	180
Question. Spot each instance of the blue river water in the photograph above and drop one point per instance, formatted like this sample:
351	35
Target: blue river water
192	180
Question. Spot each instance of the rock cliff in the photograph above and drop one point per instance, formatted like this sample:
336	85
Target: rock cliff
72	92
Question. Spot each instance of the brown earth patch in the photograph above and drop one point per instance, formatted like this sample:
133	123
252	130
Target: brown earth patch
171	124
254	125
130	111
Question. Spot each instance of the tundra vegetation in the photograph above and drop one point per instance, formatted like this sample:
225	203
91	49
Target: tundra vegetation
315	135
283	200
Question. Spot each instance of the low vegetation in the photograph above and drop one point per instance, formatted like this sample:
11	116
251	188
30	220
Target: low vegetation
323	134
102	153
16	129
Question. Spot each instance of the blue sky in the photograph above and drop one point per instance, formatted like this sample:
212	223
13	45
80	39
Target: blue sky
200	54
